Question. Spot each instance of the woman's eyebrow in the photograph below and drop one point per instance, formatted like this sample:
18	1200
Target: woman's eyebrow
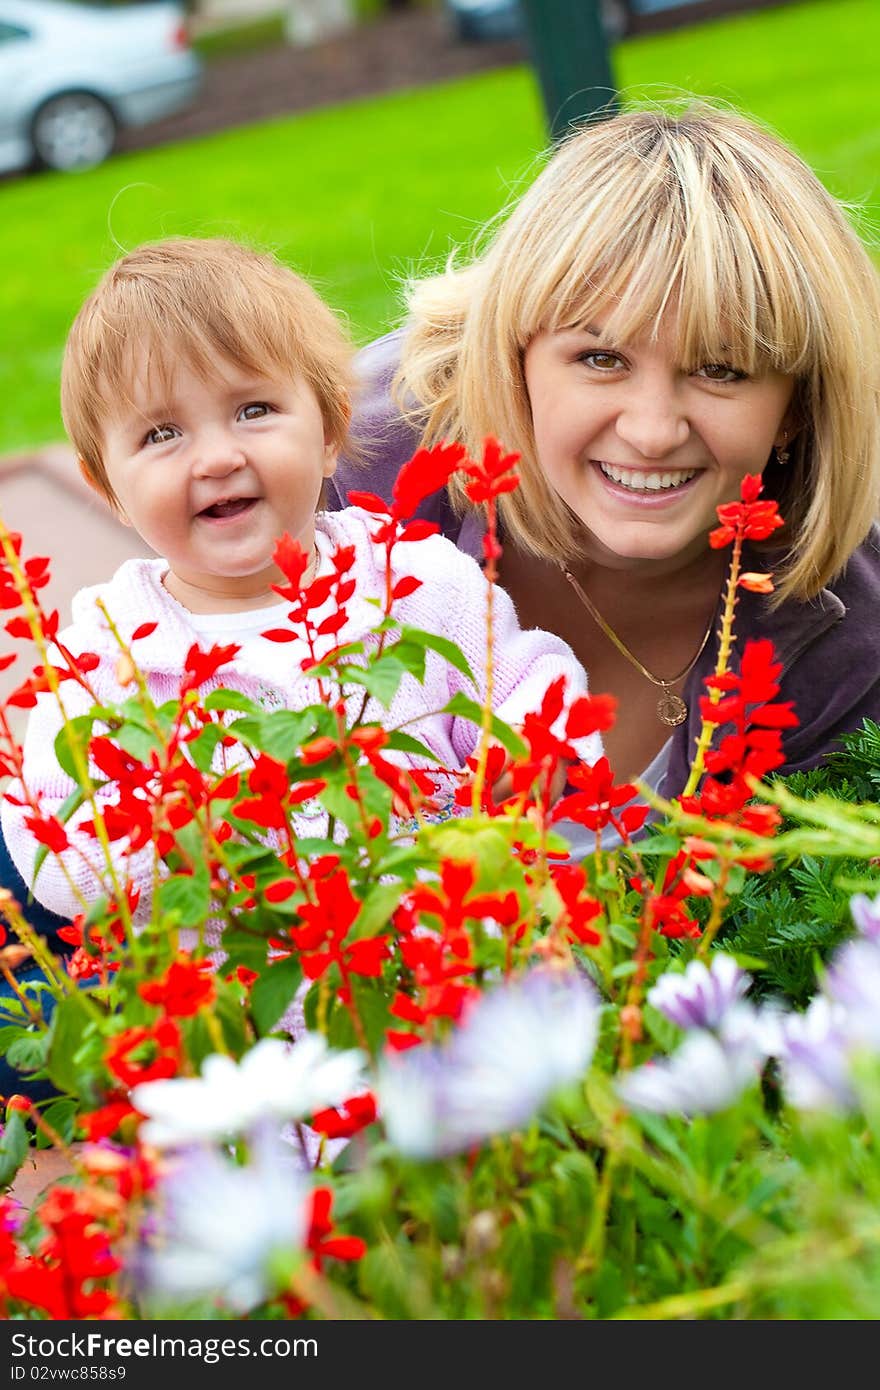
592	330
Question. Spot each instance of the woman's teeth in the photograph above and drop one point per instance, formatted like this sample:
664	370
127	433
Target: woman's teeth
647	482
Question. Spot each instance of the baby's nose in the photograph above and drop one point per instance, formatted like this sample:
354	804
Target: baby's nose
215	453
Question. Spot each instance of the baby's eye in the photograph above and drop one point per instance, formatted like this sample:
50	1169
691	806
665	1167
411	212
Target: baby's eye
601	361
719	371
160	434
254	410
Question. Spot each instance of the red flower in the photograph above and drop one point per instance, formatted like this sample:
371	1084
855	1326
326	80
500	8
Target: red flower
579	909
596	799
347	1119
747	519
323	1244
493	475
427	472
186	987
665	908
144	1054
49	832
102	1123
201	666
60	1277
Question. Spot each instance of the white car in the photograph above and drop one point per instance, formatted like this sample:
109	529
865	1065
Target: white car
72	75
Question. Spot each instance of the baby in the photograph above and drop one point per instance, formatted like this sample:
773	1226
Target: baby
206	389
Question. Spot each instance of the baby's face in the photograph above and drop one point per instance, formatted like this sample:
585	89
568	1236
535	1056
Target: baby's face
211	473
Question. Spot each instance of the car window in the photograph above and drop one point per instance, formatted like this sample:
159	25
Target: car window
12	31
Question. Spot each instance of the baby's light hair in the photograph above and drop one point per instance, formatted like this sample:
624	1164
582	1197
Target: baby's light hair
699	212
202	299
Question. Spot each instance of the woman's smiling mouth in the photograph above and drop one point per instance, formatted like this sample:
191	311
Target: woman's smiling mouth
640	480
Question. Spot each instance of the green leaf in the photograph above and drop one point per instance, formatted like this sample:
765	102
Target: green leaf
204	746
472	840
274	991
137	739
624	935
372	1009
187	895
61	1115
659	844
858	885
405	743
377	909
282	732
14	1145
747	962
78	734
464	708
624	969
28	1053
450	651
381	679
96	913
232	699
69	1023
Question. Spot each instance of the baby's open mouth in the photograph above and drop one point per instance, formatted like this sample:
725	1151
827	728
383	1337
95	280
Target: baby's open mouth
230	506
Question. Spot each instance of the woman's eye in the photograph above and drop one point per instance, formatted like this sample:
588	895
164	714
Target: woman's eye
601	361
160	434
254	410
719	371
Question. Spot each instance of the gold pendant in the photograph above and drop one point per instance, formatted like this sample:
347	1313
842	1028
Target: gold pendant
671	709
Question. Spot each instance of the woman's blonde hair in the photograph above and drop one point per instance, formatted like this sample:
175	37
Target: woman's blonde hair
700	212
204	299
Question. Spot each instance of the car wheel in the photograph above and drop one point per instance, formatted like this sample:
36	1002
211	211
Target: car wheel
74	130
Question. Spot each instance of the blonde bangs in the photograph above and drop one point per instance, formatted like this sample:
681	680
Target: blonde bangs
699	247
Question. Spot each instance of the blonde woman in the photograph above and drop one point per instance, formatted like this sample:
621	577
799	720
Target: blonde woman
675	302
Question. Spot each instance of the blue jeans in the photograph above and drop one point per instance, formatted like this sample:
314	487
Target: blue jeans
47	924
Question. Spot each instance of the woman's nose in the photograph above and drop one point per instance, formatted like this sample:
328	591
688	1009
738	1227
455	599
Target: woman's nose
653	422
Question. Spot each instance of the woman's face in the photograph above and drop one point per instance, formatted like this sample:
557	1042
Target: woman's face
641	450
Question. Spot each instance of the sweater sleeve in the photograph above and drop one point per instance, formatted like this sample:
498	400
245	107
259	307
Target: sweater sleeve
79	870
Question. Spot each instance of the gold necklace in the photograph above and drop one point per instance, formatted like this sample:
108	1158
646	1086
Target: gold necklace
671	708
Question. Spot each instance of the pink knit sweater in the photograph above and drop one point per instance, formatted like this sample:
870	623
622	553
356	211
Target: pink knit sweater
451	603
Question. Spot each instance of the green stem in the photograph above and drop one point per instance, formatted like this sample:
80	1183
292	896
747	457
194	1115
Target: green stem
707	729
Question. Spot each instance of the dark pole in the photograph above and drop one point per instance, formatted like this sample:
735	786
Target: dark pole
569	48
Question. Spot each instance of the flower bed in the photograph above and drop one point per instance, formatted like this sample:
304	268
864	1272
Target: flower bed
521	1087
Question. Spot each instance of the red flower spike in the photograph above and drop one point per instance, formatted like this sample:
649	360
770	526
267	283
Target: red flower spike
425	473
493	475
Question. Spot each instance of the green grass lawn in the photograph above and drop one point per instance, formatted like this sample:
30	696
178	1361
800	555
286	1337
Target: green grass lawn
358	196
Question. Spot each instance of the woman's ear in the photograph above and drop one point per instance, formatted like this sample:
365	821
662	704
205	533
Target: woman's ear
791	423
88	474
